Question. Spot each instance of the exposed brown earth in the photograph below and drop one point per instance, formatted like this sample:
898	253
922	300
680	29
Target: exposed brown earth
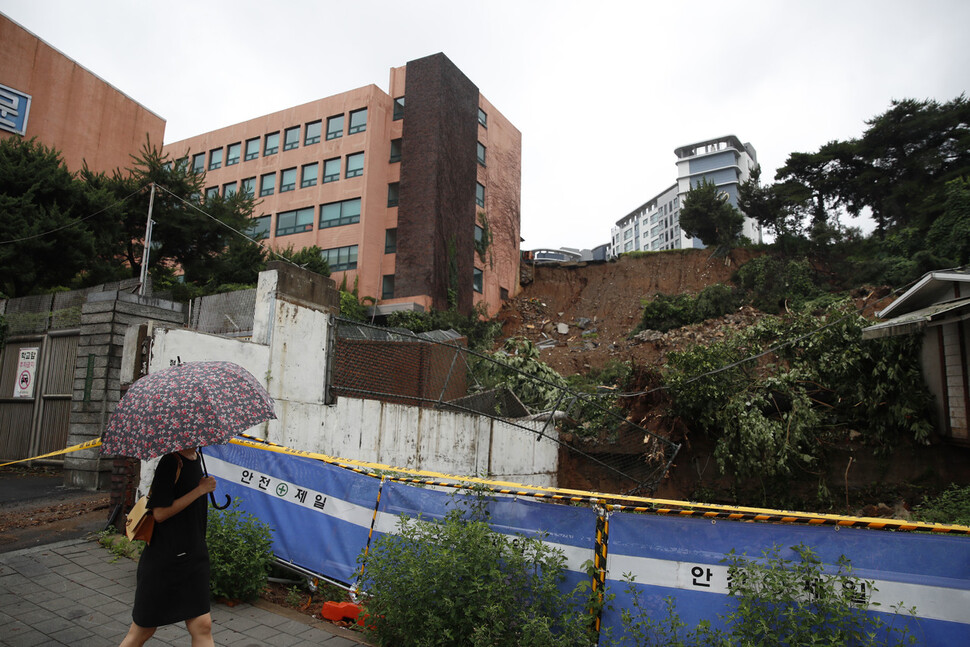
605	301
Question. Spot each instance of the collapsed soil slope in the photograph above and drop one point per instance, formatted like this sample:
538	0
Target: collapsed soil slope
602	303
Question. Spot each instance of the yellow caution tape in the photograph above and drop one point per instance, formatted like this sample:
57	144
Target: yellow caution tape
67	450
617	502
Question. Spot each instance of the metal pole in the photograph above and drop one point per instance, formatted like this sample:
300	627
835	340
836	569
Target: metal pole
148	242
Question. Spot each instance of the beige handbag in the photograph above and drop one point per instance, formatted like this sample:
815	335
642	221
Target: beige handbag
140	523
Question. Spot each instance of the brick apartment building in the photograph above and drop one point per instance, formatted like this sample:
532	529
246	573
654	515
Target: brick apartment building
413	194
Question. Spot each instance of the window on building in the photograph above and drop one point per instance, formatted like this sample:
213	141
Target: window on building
267	184
390	241
252	149
232	154
308	176
288	180
331	170
478	280
627	234
335	127
503	293
260	228
628	246
272	144
480	194
482	118
481	153
341	258
291	138
215	159
198	162
294	222
399	108
312	133
392	196
248	186
229	189
358	121
395	150
479	235
182	163
335	214
355	165
387	286
212	192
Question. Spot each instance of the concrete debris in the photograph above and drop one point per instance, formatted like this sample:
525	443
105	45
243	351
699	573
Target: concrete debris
562	328
583	322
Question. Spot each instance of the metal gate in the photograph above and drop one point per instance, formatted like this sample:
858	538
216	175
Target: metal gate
40	423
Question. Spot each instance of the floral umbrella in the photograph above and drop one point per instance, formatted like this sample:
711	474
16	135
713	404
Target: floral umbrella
195	404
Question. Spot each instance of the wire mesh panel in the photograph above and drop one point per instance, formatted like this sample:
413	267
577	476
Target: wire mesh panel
599	447
228	313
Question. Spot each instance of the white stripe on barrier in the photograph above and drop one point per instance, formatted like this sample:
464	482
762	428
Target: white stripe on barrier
291	493
933	602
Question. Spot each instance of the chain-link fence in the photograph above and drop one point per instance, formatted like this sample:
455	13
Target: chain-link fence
228	313
600	449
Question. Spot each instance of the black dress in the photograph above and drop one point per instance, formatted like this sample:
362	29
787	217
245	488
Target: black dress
173	571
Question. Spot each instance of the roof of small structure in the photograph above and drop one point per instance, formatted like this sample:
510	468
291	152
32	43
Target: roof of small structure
935	297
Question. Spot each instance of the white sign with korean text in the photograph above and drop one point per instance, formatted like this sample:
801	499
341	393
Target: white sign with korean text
26	373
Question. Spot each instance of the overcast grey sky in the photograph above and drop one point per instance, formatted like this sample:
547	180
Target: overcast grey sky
603	92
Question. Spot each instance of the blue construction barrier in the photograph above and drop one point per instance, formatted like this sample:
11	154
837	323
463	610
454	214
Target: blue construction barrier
323	517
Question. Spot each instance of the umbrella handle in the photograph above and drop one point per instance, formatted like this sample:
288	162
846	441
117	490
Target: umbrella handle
212	497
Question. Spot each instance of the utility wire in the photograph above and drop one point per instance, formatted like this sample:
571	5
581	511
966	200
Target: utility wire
72	224
229	227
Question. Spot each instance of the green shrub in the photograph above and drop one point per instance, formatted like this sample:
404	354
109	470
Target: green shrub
240	553
477	328
668	311
457	582
773	284
952	506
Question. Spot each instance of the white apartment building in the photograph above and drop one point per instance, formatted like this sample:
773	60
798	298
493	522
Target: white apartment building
655	225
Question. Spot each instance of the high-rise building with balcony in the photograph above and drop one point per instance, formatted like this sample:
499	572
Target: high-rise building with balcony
412	194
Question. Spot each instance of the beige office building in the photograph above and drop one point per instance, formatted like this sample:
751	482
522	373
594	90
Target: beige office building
413	194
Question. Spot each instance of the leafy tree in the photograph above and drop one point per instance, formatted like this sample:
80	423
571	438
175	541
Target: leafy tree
949	235
518	368
44	238
706	214
772	417
309	258
189	232
896	170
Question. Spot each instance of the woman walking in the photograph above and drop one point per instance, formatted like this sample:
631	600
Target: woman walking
173	571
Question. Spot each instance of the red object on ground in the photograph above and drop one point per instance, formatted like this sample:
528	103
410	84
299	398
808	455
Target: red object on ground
334	611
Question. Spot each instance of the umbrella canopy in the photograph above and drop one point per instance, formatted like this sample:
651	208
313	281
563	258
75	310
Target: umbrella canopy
195	404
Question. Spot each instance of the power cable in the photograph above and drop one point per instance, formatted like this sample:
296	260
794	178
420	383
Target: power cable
75	223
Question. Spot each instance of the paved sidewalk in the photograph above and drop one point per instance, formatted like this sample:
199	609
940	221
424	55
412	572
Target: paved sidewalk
78	593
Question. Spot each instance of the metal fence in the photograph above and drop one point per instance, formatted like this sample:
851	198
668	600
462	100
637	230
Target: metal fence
57	311
598	445
228	313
